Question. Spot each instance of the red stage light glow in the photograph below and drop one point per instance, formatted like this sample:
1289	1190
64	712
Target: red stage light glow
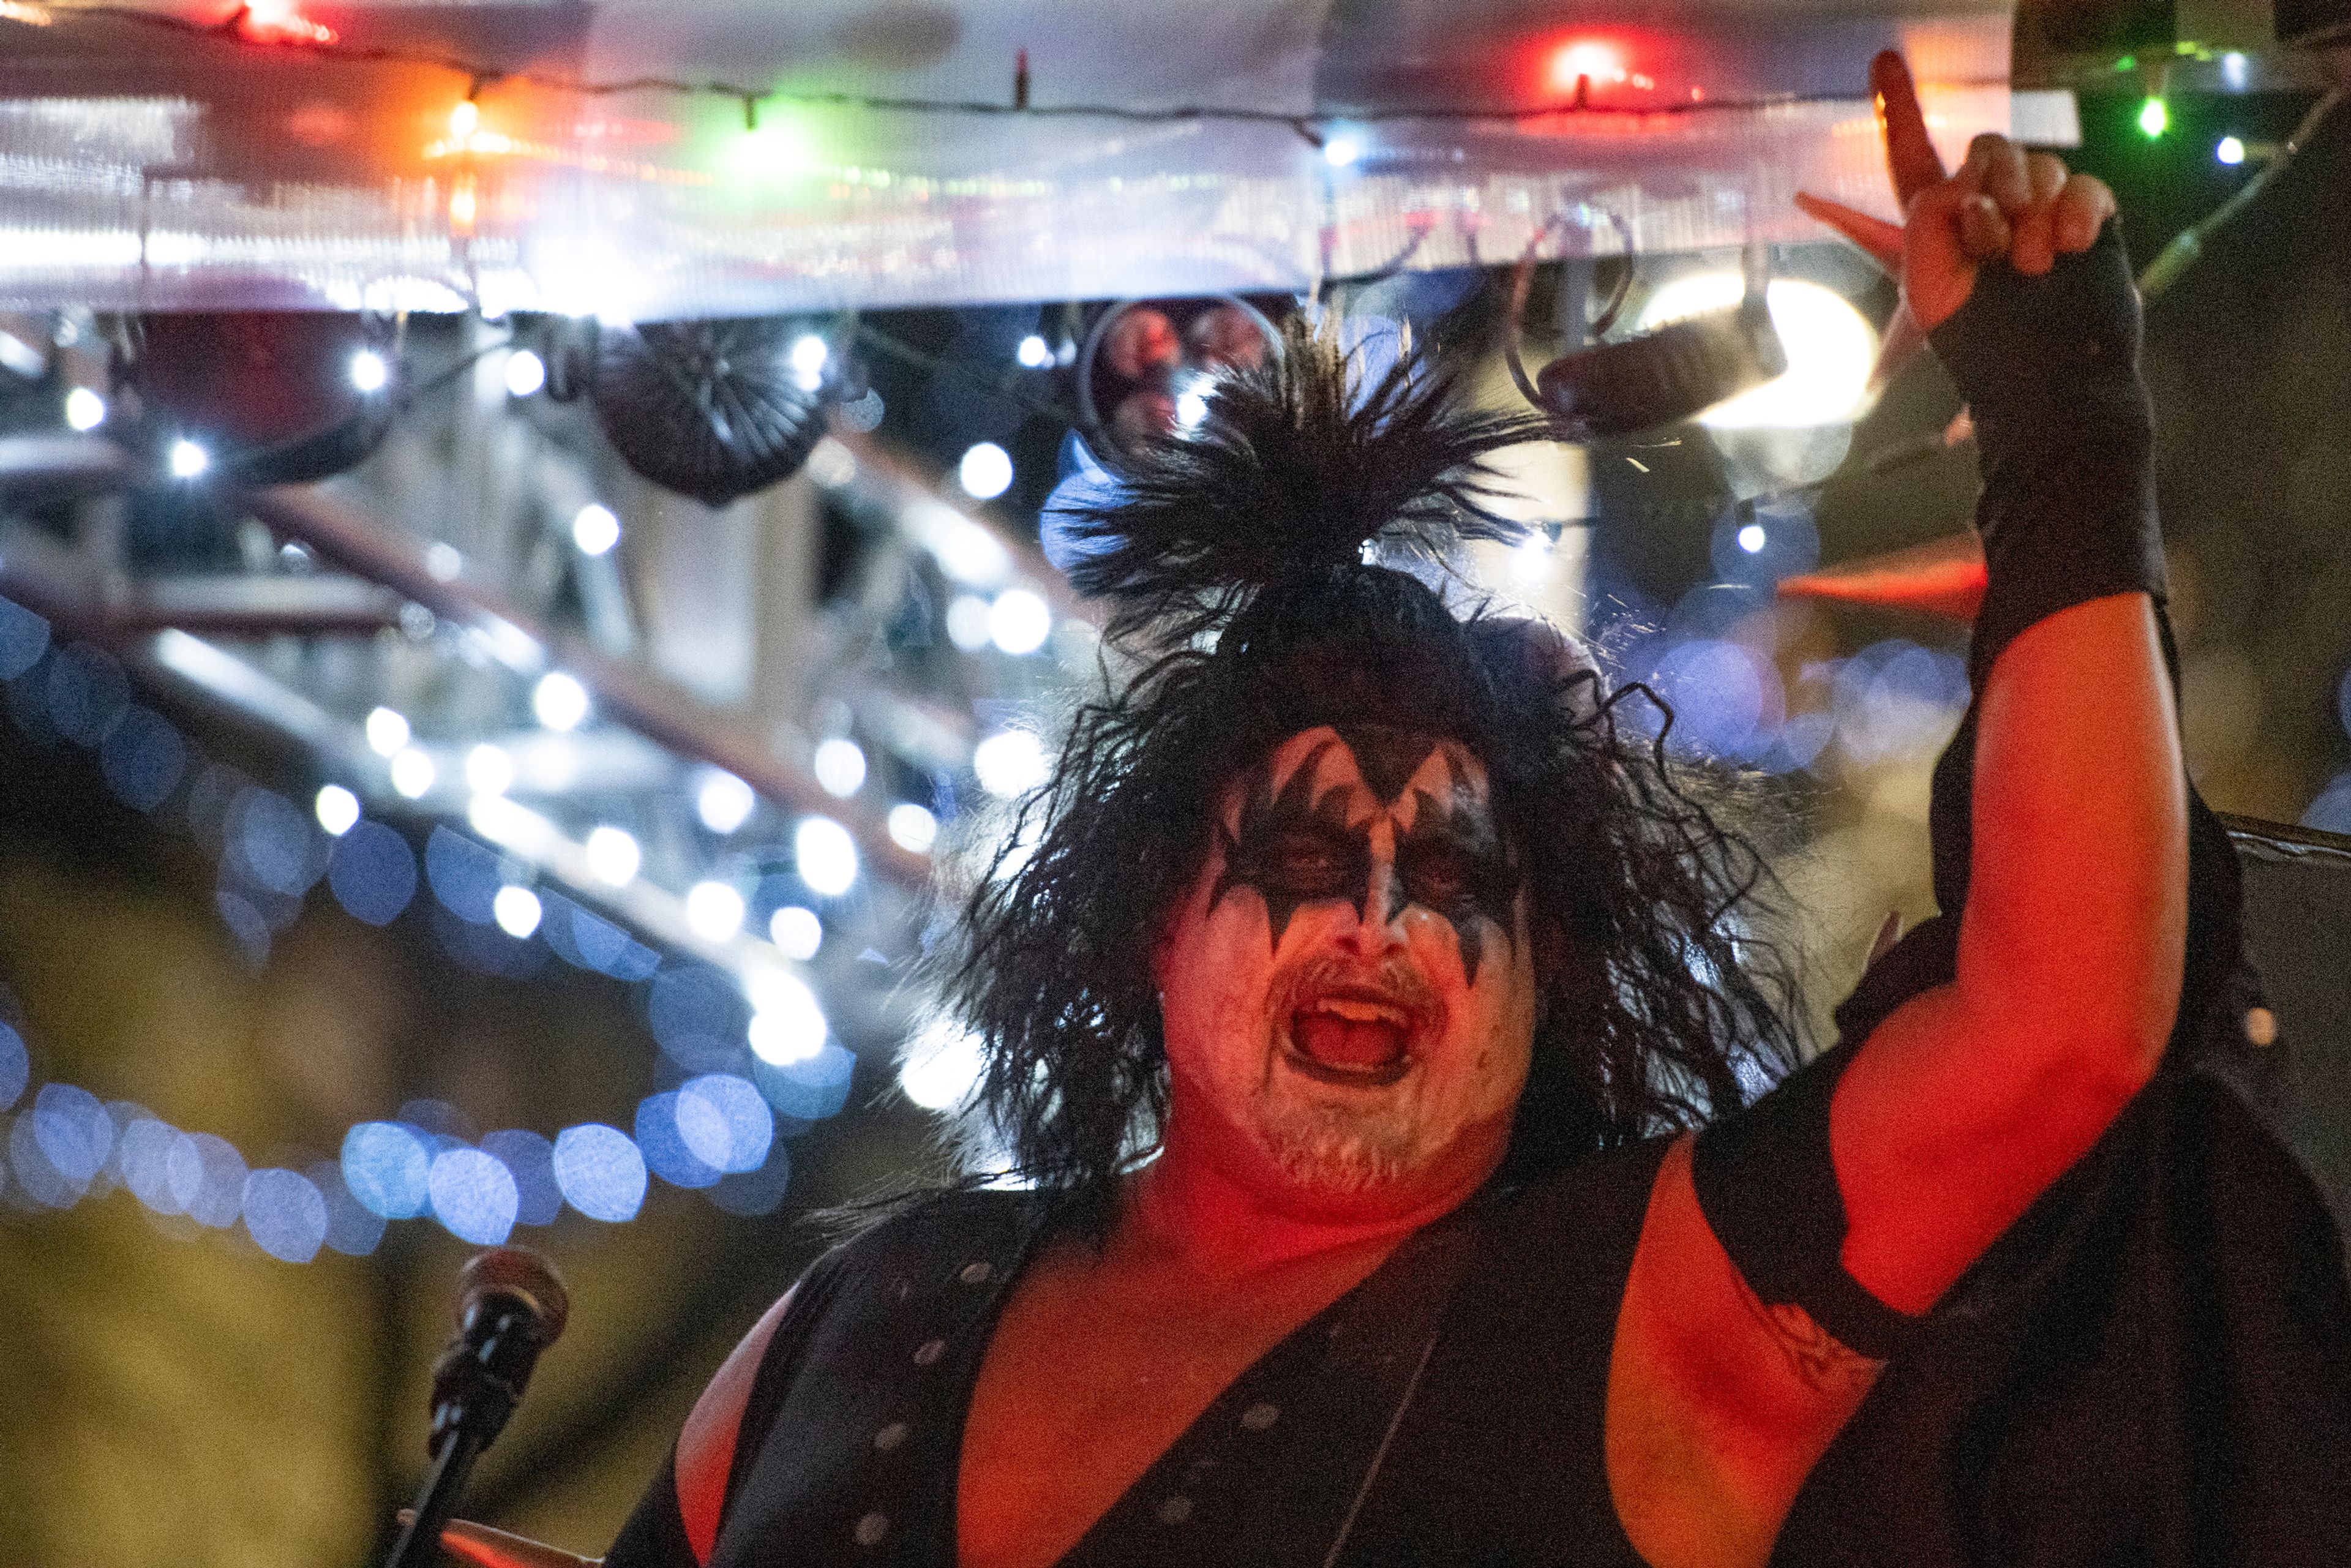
1595	60
277	22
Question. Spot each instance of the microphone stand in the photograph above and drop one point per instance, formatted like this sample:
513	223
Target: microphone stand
475	1387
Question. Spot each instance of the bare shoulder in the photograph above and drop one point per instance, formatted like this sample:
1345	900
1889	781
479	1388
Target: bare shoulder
1718	1405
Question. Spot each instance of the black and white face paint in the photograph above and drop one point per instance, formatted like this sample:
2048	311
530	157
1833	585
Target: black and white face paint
1350	985
1312	838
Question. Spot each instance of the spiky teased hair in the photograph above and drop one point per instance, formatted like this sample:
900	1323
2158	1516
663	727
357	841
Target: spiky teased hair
1663	1005
1294	467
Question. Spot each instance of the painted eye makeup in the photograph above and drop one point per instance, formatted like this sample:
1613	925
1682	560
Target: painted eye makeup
1316	864
1295	846
1450	861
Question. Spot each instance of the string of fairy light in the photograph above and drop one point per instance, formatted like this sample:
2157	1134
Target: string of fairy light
1588	76
1584	76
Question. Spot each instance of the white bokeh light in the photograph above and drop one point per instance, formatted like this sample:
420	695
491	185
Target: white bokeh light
964	550
370	373
85	410
985	471
786	1024
613	855
337	809
826	854
413	773
596	530
809	356
724	802
1019	621
387	732
560	701
1751	537
840	767
1035	353
187	459
525	373
714	910
942	1066
490	770
517	911
1830	350
1009	762
913	827
796	932
968	622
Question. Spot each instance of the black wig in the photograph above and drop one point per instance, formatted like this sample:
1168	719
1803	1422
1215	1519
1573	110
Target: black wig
1233	565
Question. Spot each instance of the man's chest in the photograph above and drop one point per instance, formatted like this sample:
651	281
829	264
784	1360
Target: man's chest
1090	1377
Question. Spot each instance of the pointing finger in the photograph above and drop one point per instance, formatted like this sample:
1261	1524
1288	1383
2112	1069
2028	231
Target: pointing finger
1880	239
1910	155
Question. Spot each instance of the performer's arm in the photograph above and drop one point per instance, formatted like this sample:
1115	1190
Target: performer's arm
1965	1103
1969	1100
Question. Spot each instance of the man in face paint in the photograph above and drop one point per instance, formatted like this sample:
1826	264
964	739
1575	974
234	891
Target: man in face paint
1349	989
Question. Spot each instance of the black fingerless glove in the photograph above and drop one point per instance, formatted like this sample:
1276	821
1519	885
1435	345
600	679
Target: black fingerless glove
2049	366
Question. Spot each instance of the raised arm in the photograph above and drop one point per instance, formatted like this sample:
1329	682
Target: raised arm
1969	1100
1966	1102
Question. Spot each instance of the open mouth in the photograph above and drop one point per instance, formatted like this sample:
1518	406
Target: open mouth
1356	1039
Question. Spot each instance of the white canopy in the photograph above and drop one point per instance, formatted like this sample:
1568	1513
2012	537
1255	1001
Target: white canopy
828	153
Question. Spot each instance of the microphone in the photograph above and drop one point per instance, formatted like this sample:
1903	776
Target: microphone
510	1307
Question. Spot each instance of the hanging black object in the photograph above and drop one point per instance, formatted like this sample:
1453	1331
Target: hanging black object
714	410
1673	373
1663	377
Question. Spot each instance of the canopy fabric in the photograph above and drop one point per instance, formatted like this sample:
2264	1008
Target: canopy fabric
833	154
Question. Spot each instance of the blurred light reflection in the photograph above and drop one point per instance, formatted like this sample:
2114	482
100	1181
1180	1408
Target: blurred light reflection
529	1159
285	1214
667	1151
474	1196
372	873
600	1172
385	1167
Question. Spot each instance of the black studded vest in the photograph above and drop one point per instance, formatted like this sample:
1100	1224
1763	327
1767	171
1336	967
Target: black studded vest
1447	1409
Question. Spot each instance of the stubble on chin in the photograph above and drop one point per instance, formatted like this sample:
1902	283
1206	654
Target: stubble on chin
1337	1141
1340	1149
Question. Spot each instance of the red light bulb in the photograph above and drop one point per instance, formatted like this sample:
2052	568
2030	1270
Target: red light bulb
1600	62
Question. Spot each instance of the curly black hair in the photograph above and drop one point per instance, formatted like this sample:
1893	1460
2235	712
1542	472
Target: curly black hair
1666	1003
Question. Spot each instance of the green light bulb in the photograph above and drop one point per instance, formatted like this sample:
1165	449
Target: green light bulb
2154	117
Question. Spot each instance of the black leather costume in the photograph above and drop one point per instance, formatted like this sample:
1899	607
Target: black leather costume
1446	1409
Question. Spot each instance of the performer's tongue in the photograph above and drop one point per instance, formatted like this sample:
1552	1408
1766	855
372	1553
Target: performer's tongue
1352	1045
